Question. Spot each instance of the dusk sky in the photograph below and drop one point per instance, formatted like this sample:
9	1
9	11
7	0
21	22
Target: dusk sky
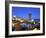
24	11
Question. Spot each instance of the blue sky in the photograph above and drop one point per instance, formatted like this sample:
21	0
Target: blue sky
24	11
